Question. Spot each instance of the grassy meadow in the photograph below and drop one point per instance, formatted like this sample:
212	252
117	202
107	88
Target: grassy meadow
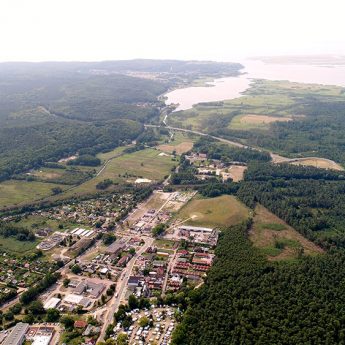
221	211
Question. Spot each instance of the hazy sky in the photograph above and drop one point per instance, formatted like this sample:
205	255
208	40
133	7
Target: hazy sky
37	30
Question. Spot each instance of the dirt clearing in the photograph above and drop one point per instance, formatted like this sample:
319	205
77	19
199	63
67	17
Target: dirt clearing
237	172
276	239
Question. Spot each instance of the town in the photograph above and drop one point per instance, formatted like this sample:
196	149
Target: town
118	262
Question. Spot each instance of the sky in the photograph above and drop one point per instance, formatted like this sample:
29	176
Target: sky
93	30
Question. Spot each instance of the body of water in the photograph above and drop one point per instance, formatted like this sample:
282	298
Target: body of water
233	87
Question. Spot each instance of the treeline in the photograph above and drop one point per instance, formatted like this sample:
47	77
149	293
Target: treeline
22	149
19	233
227	153
264	172
31	294
246	300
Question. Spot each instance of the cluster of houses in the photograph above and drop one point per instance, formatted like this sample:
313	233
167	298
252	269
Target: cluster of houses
210	168
195	234
189	264
149	274
102	212
22	271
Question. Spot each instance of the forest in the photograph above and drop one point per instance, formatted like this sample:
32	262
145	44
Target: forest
247	300
309	199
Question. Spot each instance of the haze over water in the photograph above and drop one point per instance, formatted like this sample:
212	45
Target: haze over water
233	87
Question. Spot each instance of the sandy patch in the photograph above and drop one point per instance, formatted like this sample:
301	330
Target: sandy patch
319	163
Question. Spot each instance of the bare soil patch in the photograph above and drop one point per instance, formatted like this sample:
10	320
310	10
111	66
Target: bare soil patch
180	148
237	172
47	175
262	119
277	239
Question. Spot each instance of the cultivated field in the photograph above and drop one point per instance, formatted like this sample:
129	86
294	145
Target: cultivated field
255	121
278	240
222	211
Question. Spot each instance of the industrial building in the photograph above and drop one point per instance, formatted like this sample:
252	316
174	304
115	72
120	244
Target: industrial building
52	303
17	335
195	228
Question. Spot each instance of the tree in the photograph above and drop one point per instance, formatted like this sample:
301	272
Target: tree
53	315
122	339
29	318
67	321
76	269
16	309
57	190
36	307
144	321
66	281
108	238
9	316
158	230
132	302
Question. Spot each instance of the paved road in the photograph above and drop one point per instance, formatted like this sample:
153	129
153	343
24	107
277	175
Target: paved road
275	157
121	288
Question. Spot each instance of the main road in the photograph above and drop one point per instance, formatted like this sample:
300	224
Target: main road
121	288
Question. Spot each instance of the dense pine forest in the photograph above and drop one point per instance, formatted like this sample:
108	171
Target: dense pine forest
247	300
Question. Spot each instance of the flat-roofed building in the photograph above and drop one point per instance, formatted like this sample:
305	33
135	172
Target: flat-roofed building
52	303
115	247
195	228
17	335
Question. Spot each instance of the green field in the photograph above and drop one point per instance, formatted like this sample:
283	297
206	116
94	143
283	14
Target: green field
15	192
222	211
14	246
33	222
127	168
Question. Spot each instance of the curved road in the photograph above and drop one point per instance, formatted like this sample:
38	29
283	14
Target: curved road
275	157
